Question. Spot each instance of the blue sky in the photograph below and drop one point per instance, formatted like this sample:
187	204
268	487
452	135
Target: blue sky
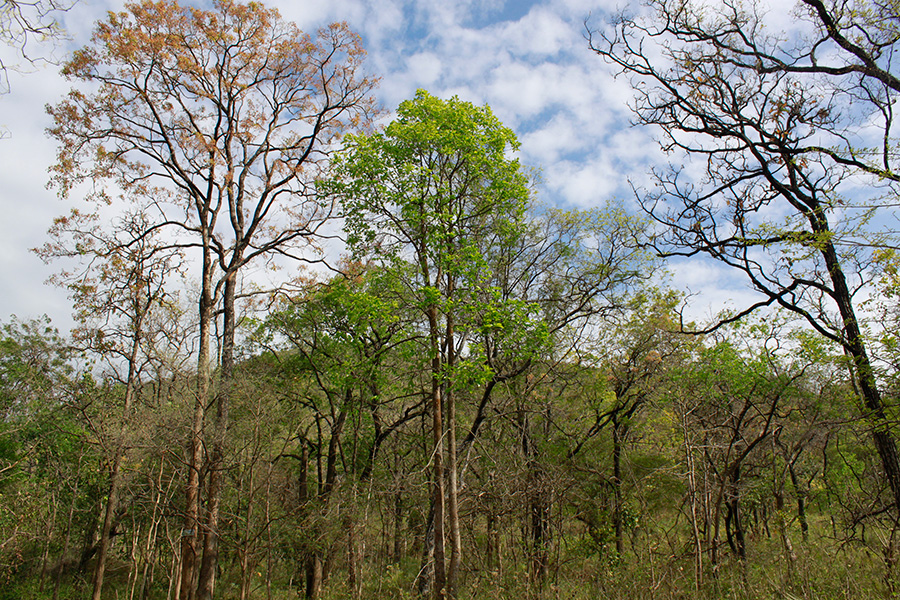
528	60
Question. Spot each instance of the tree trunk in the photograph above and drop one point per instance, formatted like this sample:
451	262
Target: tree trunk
112	502
354	578
207	580
437	425
801	502
734	528
67	538
48	535
862	367
453	492
397	550
152	534
692	494
617	486
492	550
191	528
537	505
425	577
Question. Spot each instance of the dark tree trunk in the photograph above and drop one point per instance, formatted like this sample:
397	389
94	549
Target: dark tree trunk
207	579
801	502
617	486
734	528
191	528
855	348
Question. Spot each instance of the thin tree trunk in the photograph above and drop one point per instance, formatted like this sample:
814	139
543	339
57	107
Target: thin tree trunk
734	527
112	502
48	534
245	549
453	492
425	577
692	493
537	505
397	553
152	534
66	540
440	577
617	487
354	578
801	502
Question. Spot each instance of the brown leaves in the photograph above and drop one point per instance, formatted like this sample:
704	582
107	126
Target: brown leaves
213	121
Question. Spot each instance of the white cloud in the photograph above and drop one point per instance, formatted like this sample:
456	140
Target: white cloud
711	287
582	184
540	33
535	71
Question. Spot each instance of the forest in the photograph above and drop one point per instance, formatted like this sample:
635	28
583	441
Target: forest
328	349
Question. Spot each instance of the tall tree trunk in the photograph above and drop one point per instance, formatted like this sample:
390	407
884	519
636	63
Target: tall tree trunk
425	577
801	502
191	529
245	549
692	494
437	425
48	535
617	485
537	505
855	347
354	577
152	534
734	528
453	492
207	579
397	550
66	539
112	502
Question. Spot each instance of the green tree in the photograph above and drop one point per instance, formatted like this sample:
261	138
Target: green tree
424	198
38	435
346	354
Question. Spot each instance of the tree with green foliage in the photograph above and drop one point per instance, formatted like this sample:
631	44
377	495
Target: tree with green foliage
38	437
426	197
346	354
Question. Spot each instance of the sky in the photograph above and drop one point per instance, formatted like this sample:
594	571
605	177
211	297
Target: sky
528	60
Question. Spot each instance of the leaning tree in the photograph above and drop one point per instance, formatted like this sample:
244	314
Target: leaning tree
793	135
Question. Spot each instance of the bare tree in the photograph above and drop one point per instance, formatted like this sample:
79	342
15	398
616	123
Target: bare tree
22	24
794	131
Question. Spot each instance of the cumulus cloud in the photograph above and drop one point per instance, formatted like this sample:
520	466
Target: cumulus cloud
528	60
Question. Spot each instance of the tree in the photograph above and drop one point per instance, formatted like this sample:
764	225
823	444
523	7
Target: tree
22	23
346	353
39	437
424	197
795	134
220	120
117	294
636	353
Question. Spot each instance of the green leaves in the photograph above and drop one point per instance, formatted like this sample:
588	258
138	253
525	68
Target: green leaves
437	182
